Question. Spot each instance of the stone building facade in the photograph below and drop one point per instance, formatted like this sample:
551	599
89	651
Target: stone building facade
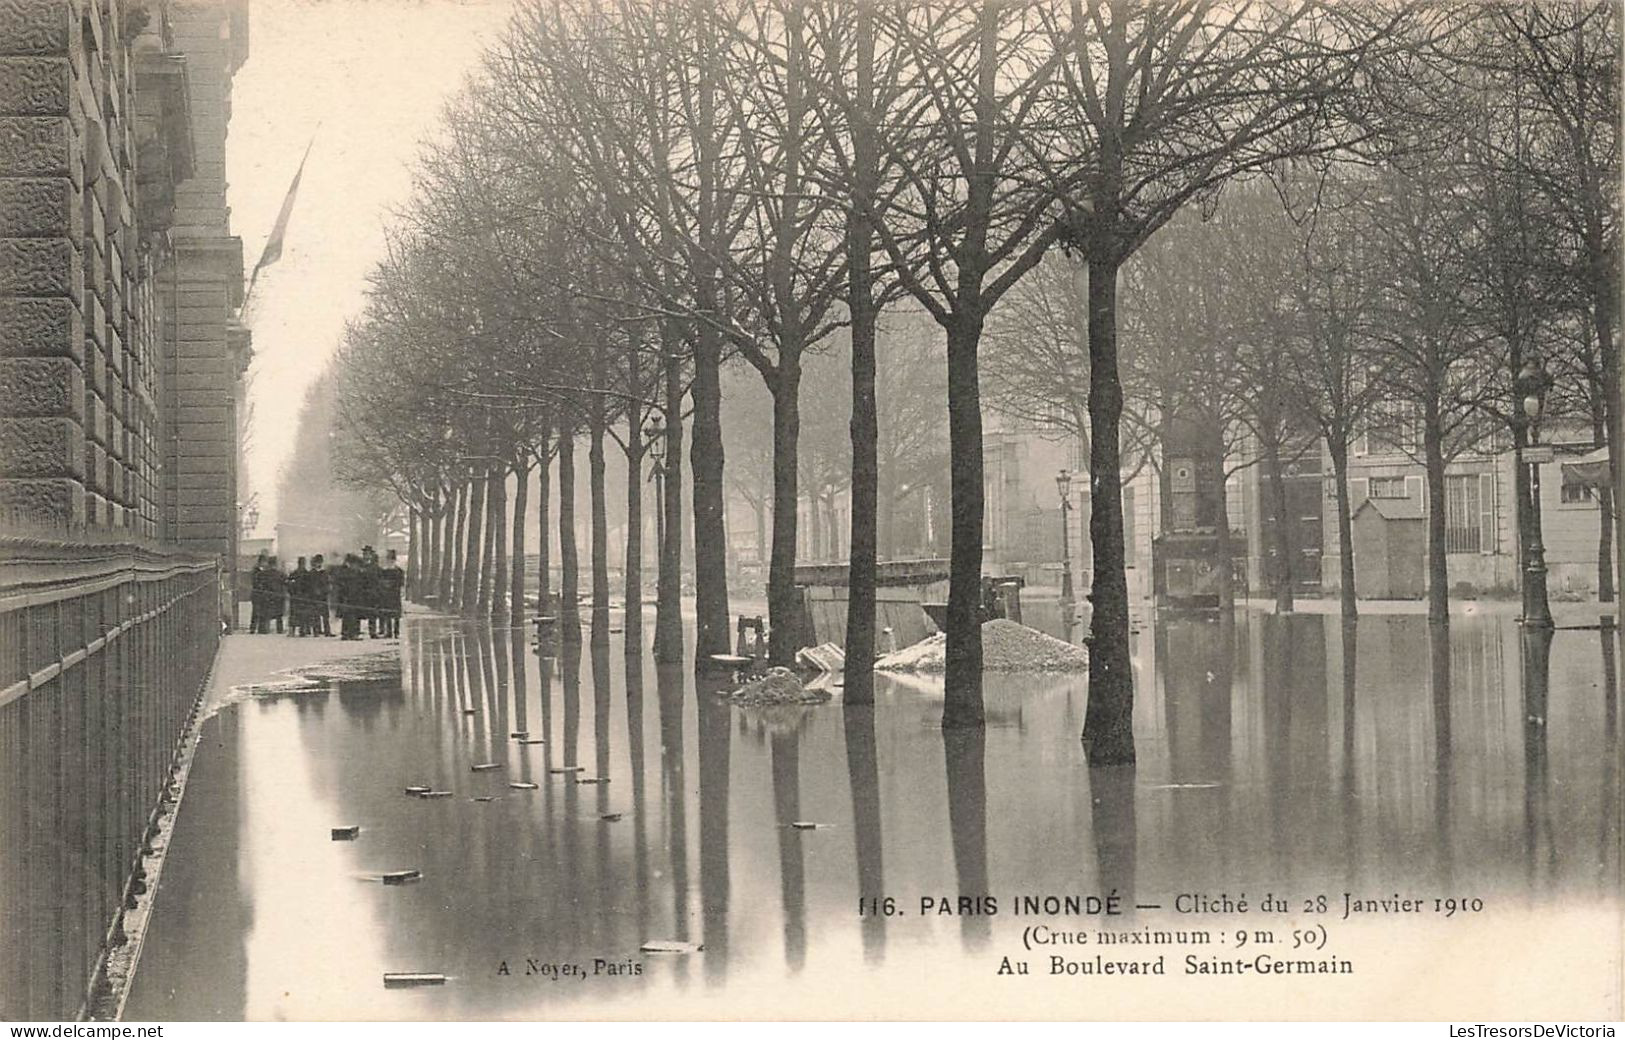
119	278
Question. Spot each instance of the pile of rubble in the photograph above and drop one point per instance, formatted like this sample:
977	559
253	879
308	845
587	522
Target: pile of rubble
777	686
1006	647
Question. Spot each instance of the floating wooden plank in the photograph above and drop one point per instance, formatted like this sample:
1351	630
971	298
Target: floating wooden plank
435	794
397	979
610	817
471	711
519	734
523	785
418	789
670	946
484	767
401	877
346	833
807	825
566	769
592	779
533	740
483	798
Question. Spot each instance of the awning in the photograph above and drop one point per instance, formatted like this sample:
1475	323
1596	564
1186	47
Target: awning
1589	470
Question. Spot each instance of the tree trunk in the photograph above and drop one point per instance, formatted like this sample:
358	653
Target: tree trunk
448	540
632	642
1605	545
499	539
569	564
962	704
669	578
474	547
544	531
1226	563
414	546
488	542
1438	570
1346	595
1281	532
862	559
710	533
600	532
781	567
1108	725
521	505
430	588
457	559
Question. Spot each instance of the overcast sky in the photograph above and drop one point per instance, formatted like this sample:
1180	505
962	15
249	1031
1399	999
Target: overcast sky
373	74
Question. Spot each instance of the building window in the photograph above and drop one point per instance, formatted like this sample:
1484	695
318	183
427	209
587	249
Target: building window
1463	532
1578	494
1387	487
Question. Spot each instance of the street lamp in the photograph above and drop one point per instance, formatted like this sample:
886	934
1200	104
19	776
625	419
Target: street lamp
655	431
1531	389
1063	484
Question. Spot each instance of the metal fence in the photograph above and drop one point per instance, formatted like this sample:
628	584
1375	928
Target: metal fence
103	653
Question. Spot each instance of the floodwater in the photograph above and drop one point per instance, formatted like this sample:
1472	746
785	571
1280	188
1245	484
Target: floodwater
1276	755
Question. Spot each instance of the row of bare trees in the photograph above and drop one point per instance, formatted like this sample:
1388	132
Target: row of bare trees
636	192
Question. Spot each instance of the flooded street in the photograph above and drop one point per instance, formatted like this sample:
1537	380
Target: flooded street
1276	755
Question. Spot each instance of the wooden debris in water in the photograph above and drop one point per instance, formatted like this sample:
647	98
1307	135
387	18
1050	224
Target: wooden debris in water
346	833
483	798
418	789
610	817
484	767
533	740
670	946
519	734
401	877
522	785
807	825
396	979
592	779
435	794
565	769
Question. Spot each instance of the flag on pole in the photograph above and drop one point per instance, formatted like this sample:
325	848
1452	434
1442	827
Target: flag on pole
273	245
279	231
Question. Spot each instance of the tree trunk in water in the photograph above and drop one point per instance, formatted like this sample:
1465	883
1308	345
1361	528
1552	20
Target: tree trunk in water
431	574
474	547
710	533
544	532
600	533
457	559
1605	545
1225	564
1108	725
488	543
448	540
669	577
781	567
1438	571
633	641
569	564
1347	597
1281	534
499	537
962	703
414	544
862	558
521	505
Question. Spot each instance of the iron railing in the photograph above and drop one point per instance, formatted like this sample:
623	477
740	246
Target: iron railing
104	649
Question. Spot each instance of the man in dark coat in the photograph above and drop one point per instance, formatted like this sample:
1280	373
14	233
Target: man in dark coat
299	600
392	580
321	592
372	589
277	593
346	594
259	594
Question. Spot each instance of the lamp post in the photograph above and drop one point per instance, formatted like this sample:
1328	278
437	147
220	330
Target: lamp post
655	431
1531	388
1063	484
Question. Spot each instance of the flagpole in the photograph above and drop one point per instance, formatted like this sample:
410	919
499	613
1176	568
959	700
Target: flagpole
273	243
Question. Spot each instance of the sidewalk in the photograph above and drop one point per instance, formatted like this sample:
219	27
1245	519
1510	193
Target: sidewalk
244	659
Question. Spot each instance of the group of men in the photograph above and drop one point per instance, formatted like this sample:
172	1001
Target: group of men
359	589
